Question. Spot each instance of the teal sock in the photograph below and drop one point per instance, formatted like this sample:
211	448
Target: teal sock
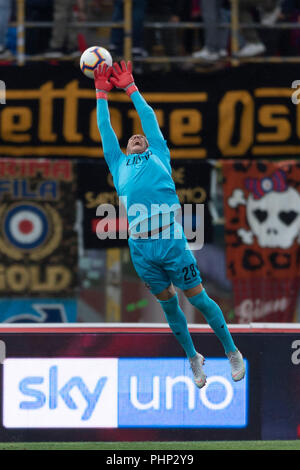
178	324
214	317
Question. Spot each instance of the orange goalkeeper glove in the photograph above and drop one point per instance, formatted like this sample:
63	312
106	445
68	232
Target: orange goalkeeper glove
123	78
102	82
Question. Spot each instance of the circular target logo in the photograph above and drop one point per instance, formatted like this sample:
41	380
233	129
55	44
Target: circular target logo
26	226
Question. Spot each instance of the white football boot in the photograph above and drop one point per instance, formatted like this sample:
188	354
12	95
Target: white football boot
237	365
196	366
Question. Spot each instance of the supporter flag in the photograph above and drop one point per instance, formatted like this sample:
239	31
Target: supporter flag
38	242
262	233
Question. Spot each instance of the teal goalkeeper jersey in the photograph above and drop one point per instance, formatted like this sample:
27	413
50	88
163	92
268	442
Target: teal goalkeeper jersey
143	181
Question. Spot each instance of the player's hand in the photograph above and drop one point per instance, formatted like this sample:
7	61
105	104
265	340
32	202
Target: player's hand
122	77
102	75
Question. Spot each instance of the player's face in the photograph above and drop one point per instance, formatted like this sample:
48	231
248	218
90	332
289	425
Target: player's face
137	144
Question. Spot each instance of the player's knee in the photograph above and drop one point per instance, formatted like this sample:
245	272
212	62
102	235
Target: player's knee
201	300
167	293
193	291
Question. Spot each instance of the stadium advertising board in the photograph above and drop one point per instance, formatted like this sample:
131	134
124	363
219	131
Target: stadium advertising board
233	112
38	310
121	386
84	384
120	392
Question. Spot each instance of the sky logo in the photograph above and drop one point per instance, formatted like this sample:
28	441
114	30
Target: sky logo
91	398
60	392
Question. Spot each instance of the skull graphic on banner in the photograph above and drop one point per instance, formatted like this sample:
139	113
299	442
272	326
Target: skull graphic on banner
262	231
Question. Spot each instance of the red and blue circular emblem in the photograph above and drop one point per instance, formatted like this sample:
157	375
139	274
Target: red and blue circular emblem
26	226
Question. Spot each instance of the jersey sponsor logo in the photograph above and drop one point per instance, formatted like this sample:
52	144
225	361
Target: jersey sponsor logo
138	159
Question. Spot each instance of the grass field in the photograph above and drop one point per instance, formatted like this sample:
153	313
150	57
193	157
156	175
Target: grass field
115	446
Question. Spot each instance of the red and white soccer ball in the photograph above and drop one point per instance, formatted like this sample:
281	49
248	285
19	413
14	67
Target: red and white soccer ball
92	57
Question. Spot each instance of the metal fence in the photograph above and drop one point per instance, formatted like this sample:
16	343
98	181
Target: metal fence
234	26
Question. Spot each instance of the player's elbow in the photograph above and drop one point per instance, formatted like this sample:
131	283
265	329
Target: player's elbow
148	116
148	111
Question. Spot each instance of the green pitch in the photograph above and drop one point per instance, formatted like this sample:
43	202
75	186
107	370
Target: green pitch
115	446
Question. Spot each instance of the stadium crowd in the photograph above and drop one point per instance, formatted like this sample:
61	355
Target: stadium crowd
210	43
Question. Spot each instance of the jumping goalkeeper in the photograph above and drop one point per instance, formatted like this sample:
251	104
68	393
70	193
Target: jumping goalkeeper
161	256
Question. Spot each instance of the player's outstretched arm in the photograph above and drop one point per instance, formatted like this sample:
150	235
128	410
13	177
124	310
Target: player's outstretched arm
110	143
122	78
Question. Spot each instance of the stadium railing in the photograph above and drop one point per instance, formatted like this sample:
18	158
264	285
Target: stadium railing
235	27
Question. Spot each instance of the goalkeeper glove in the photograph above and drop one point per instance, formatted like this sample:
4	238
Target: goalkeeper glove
122	77
102	83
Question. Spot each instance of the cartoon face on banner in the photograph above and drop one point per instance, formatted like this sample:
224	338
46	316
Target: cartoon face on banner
272	210
262	212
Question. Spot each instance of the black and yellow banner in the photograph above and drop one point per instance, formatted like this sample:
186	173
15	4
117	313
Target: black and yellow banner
248	111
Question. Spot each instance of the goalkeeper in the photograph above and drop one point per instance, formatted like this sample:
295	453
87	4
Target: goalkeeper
161	256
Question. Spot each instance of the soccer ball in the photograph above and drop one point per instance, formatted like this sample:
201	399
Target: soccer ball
92	57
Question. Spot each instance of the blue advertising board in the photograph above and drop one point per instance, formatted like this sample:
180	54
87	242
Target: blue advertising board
82	383
161	393
38	310
120	393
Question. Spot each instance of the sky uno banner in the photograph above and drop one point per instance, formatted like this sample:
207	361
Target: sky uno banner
97	387
105	386
38	244
249	111
118	393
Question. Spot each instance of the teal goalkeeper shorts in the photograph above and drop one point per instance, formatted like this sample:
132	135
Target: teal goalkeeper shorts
160	262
